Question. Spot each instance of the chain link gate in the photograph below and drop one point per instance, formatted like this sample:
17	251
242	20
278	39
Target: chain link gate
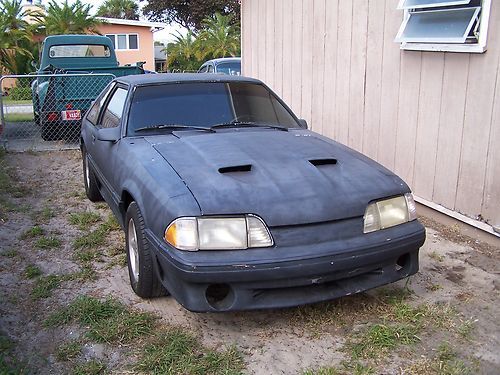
44	111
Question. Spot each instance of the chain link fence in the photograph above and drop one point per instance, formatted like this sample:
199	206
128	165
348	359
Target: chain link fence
44	112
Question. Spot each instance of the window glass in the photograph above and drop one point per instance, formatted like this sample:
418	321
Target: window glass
210	68
122	41
79	50
114	111
231	68
93	113
205	104
133	42
203	69
112	37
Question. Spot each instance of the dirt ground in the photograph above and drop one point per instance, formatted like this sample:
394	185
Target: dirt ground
444	320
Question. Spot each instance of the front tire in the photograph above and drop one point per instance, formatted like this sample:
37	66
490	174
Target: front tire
89	179
139	257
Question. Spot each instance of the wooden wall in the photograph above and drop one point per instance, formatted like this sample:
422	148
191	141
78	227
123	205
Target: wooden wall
432	117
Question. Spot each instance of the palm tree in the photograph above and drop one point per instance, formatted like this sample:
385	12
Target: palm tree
15	37
67	19
183	53
220	37
127	9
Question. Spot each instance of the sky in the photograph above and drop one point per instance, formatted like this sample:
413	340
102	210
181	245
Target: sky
162	36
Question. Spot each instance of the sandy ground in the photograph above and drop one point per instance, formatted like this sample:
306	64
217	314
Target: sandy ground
453	271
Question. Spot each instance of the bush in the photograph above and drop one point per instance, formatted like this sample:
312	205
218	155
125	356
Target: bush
20	93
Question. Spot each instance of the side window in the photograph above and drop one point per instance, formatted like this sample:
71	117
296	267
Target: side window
210	68
114	111
203	69
93	113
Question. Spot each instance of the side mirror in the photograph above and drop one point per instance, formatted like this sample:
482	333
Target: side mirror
303	123
33	64
109	134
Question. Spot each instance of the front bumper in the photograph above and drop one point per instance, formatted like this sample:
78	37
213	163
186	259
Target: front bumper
349	267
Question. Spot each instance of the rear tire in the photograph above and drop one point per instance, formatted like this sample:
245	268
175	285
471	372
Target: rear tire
141	271
89	179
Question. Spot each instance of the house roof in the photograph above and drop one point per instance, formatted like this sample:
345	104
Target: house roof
119	21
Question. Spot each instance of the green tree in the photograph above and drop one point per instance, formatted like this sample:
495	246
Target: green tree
190	13
219	37
67	19
127	9
15	37
183	53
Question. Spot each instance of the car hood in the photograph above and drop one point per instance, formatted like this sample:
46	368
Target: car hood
287	178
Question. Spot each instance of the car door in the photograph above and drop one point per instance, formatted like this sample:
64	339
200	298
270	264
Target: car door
105	152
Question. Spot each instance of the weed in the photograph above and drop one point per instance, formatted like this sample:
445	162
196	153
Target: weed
68	350
322	371
434	255
87	255
433	287
379	338
357	368
48	242
465	329
31	271
84	219
107	321
90	240
45	285
35	231
43	216
446	362
176	351
101	205
10	253
92	367
119	260
111	224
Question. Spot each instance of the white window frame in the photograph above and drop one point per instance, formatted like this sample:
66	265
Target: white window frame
127	39
479	47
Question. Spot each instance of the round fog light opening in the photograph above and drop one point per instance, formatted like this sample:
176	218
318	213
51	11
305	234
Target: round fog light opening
219	296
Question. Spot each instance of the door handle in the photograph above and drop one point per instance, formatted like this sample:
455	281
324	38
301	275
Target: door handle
93	138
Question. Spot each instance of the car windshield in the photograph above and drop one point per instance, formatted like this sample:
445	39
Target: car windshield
231	68
206	104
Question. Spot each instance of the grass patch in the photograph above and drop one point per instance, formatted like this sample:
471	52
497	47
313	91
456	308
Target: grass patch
35	231
107	321
10	253
84	220
19	117
68	350
380	338
31	271
445	362
90	240
9	365
48	242
45	285
176	351
44	215
6	101
119	260
92	367
97	237
322	371
87	255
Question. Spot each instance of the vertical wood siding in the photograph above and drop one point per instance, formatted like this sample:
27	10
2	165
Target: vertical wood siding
432	117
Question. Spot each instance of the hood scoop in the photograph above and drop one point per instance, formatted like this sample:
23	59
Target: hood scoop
321	162
236	168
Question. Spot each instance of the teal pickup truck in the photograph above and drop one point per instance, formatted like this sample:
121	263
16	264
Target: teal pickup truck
74	69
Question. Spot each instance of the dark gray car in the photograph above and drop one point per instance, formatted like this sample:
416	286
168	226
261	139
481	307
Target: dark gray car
228	202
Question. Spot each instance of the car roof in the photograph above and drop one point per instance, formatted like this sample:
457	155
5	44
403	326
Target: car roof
225	59
151	79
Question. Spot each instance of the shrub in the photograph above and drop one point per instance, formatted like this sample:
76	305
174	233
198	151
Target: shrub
20	93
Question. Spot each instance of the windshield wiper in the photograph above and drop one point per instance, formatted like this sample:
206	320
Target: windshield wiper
173	127
236	124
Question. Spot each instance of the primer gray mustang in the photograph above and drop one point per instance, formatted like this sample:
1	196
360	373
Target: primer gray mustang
228	202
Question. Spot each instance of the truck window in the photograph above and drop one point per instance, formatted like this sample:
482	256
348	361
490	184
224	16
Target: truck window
79	50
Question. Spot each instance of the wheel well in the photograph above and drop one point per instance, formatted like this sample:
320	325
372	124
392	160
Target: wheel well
126	199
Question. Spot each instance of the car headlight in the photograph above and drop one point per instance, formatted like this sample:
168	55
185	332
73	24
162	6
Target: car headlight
218	233
389	212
